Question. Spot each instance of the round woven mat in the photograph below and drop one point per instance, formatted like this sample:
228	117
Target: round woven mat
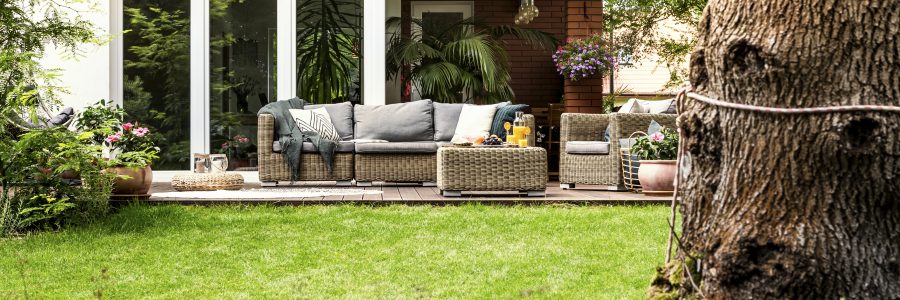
208	182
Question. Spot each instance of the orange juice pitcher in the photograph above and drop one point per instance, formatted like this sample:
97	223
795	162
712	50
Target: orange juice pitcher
519	127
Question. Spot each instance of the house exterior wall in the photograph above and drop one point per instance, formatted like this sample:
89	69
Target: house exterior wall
586	95
533	75
87	76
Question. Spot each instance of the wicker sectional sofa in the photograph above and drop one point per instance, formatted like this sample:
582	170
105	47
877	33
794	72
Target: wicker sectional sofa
409	155
600	169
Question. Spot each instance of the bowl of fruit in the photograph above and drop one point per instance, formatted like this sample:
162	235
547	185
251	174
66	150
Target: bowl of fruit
491	141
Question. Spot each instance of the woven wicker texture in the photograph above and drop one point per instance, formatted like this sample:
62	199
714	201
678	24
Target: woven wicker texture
364	167
396	167
492	169
273	168
207	182
601	169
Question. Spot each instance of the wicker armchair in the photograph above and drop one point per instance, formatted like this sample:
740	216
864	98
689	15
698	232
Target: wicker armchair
604	170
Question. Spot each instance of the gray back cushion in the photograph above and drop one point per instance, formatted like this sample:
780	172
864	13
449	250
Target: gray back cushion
446	115
341	116
402	122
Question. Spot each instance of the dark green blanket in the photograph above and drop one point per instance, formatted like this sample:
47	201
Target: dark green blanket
291	138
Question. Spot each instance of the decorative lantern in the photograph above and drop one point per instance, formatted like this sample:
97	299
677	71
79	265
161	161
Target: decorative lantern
218	163
527	12
201	163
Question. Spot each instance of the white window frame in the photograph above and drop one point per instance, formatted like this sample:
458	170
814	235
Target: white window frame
374	16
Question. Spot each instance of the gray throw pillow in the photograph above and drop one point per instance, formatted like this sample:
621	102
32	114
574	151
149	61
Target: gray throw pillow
341	116
446	115
402	122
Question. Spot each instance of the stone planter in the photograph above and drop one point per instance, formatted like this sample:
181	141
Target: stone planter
657	177
138	184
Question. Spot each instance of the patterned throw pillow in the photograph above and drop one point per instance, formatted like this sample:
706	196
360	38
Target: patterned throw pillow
316	120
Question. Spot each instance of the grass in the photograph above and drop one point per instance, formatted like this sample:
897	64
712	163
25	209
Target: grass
469	251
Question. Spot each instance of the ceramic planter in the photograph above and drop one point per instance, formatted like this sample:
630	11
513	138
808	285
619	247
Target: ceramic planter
657	177
138	184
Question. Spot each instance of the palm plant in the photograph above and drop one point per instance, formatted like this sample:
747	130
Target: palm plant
466	59
328	35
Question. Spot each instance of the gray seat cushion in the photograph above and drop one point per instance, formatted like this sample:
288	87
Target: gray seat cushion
341	116
587	147
402	122
342	147
398	148
446	115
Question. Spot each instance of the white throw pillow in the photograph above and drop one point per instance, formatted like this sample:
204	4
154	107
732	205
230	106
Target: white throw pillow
659	106
316	120
474	121
633	106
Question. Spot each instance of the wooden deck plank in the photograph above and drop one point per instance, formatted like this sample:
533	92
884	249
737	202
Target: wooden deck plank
428	193
408	193
391	193
373	197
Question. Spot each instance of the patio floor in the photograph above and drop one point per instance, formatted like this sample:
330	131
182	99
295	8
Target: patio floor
409	193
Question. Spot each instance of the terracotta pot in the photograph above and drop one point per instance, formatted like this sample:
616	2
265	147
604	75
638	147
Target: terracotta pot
138	184
657	177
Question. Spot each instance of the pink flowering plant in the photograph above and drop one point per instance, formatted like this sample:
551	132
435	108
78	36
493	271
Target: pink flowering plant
583	58
662	145
237	147
133	144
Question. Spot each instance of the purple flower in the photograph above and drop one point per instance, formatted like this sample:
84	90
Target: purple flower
657	137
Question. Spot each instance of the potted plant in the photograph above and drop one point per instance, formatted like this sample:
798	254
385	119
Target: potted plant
583	58
658	153
131	151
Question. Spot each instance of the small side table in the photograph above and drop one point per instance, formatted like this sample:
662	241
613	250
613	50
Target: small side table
492	169
207	182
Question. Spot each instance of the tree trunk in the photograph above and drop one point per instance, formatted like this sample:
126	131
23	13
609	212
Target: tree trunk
799	206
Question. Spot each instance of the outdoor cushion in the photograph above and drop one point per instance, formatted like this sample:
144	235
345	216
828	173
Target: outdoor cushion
402	122
633	106
649	106
474	121
398	148
659	107
342	147
446	115
341	117
505	113
587	147
316	120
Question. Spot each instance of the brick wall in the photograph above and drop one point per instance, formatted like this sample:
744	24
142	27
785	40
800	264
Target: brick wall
584	18
534	78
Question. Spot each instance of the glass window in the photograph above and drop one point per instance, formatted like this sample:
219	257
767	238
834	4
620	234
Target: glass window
329	41
242	66
157	74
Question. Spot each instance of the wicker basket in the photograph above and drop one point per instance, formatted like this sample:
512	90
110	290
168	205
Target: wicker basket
207	182
630	165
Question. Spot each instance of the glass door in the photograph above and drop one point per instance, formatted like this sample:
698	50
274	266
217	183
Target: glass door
242	75
156	74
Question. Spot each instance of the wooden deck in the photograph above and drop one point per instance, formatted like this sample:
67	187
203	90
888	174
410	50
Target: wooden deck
413	194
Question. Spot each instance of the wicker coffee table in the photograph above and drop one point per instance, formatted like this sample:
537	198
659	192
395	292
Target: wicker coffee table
492	169
207	182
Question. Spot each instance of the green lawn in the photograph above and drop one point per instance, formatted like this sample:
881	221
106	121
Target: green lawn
470	251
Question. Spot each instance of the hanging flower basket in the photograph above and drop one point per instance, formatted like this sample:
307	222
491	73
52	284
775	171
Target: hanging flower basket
583	58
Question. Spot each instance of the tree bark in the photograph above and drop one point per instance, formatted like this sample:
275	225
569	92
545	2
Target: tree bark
799	206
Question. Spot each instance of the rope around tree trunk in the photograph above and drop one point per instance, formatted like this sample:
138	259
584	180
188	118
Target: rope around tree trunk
688	94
